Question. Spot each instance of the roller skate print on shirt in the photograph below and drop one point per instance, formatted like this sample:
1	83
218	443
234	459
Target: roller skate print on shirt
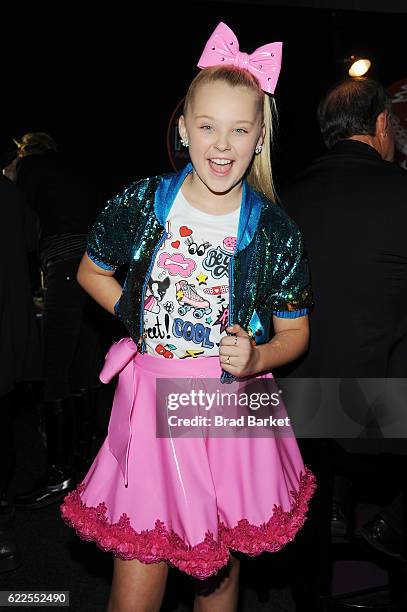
189	299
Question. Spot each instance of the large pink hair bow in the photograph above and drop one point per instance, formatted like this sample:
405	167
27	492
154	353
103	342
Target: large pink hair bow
264	62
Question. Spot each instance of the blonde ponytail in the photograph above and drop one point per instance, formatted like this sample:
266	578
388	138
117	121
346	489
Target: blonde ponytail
260	175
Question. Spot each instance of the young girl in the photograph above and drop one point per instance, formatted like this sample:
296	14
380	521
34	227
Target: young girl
212	259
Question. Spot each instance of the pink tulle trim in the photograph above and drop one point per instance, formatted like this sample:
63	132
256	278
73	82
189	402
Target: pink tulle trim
160	544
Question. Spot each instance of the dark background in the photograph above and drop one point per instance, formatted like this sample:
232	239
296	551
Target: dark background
104	81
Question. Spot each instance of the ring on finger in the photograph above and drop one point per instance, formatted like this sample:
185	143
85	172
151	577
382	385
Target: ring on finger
228	359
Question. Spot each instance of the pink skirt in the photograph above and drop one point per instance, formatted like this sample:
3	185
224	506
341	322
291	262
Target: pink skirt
187	501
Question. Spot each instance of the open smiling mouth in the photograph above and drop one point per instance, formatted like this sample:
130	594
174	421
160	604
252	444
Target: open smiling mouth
220	167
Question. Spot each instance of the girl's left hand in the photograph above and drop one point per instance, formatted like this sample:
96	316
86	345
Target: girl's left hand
237	354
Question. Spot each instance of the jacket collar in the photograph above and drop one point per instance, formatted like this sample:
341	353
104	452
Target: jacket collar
348	146
250	209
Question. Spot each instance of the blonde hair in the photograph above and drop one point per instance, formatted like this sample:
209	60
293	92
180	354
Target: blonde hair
260	174
34	143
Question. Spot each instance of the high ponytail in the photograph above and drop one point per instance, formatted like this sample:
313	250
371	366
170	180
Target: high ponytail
261	175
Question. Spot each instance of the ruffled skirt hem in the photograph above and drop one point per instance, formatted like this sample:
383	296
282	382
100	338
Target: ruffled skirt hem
161	544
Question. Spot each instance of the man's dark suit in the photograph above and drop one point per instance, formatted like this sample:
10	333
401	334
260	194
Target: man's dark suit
351	207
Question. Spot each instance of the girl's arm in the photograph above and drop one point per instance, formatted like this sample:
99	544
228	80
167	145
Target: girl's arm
289	342
99	283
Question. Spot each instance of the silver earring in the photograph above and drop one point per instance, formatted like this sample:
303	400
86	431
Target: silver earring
185	142
258	149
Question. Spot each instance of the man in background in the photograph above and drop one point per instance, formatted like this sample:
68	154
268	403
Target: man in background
351	206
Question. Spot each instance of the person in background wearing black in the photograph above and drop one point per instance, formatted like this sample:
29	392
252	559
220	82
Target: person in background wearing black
20	359
351	206
72	348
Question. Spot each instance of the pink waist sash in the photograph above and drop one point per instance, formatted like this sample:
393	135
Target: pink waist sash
121	359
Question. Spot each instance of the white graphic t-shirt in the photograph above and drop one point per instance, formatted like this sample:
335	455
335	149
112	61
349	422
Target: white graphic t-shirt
186	303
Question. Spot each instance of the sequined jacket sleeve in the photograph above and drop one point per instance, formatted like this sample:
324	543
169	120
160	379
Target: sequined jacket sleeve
111	237
291	293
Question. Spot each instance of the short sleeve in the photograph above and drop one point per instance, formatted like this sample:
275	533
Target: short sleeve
110	238
291	292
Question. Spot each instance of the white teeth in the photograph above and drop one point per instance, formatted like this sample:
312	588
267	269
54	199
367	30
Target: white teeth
221	162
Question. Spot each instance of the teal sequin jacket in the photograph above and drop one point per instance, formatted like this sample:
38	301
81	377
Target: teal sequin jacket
268	272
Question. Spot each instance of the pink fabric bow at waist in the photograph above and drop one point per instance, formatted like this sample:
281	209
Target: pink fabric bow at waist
120	360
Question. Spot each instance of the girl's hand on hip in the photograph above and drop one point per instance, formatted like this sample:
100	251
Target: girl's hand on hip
237	354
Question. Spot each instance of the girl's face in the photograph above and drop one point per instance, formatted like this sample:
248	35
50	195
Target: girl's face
223	126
